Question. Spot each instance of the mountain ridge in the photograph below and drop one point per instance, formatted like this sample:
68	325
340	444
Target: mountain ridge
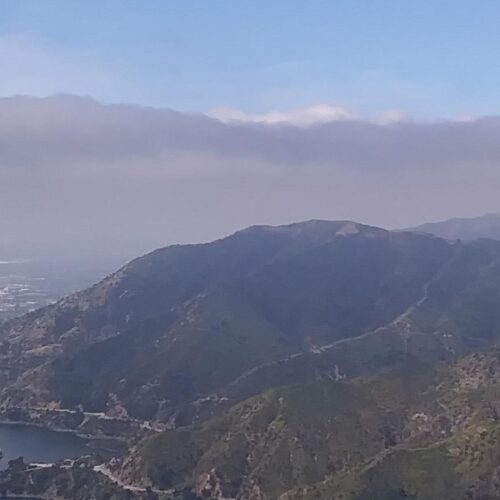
485	226
225	261
228	366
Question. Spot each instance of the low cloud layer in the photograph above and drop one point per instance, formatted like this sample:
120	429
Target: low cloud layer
78	176
321	113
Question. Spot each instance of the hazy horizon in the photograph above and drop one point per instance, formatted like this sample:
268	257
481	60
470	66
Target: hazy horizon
80	177
199	119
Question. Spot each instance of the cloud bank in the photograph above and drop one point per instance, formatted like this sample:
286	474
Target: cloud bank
79	176
320	113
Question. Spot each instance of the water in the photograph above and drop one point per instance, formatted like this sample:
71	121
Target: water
36	444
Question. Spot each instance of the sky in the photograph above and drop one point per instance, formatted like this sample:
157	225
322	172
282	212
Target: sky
128	125
426	59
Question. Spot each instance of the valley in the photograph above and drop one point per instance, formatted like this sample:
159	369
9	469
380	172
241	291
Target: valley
30	284
22	292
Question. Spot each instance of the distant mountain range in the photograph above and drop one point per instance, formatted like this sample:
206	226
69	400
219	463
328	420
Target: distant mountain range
486	226
323	359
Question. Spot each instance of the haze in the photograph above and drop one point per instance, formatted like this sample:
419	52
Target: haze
207	148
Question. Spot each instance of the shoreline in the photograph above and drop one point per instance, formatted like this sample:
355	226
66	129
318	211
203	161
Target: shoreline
87	425
89	439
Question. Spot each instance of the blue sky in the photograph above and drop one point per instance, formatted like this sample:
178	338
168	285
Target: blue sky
426	58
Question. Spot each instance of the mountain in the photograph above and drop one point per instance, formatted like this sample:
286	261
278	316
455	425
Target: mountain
299	361
413	432
191	320
486	226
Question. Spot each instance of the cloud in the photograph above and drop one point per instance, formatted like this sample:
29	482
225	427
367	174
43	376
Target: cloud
320	113
304	117
77	136
76	175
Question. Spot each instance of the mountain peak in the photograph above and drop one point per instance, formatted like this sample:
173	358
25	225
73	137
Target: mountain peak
317	227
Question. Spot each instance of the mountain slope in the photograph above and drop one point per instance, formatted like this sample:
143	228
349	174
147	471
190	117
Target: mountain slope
315	360
279	439
187	330
415	431
451	450
183	322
